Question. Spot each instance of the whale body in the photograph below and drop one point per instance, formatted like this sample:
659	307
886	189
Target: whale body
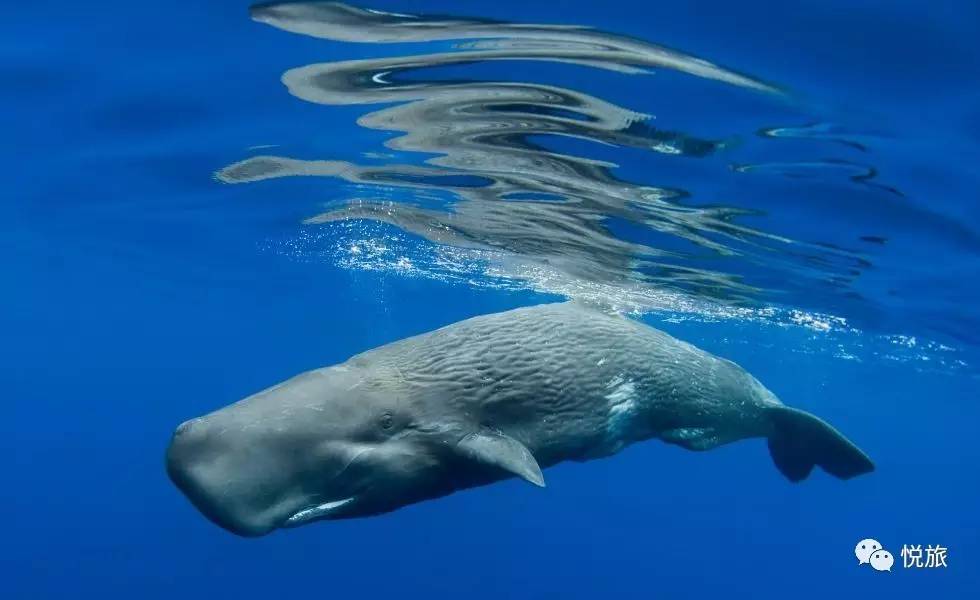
488	398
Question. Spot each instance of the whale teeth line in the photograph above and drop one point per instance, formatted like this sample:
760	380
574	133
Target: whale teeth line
308	514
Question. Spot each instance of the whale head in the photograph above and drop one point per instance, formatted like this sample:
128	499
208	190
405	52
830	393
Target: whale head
352	440
326	444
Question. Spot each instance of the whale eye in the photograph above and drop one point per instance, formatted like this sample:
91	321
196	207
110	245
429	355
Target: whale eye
387	421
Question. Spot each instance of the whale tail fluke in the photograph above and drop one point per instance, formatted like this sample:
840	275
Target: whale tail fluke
799	441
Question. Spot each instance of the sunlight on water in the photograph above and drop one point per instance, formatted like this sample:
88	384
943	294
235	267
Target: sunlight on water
487	185
362	245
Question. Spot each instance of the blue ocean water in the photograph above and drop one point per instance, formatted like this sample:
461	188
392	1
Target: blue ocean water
202	200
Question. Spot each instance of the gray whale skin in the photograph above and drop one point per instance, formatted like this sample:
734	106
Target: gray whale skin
488	398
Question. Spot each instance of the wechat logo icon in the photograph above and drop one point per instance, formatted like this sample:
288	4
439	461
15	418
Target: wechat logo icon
870	552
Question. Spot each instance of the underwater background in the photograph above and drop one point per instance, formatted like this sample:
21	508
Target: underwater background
202	199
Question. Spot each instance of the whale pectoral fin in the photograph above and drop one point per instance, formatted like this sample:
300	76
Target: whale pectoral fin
502	451
799	441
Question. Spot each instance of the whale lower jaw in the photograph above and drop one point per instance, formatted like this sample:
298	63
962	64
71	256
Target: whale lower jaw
320	511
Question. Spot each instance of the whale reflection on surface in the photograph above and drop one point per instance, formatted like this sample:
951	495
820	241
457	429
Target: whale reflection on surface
499	168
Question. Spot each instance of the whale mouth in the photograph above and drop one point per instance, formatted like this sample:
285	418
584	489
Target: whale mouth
318	511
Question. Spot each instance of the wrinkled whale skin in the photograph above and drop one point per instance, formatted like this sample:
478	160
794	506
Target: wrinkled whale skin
572	383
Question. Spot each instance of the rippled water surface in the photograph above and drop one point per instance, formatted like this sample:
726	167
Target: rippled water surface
609	168
561	156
